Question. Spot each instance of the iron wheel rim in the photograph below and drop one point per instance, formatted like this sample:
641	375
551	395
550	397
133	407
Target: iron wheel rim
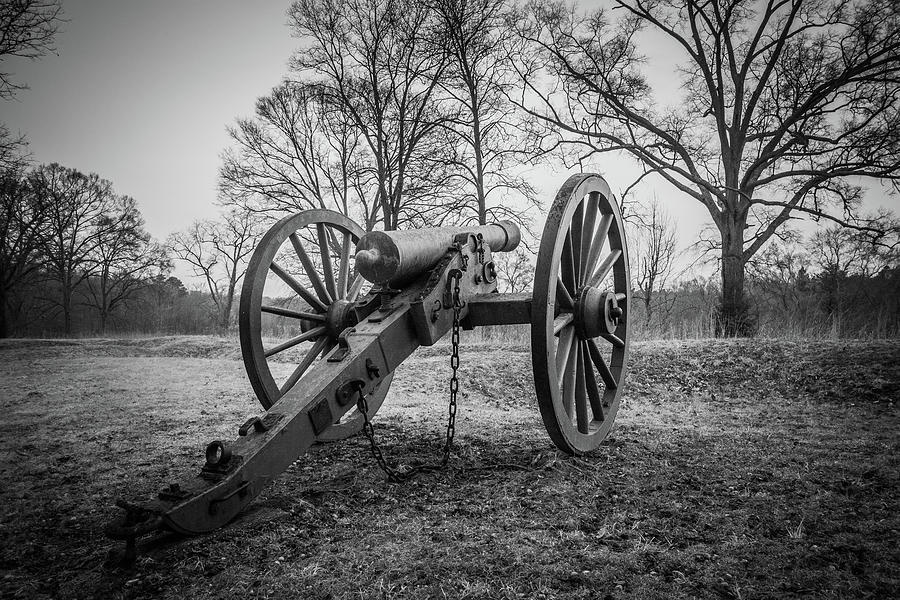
343	287
583	207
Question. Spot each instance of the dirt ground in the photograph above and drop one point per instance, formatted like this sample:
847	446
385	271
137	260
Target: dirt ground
737	469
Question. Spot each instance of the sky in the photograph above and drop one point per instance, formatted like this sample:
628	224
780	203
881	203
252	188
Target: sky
142	92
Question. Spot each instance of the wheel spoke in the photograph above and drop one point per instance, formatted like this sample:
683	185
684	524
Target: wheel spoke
597	358
561	321
591	206
577	231
581	415
326	260
358	282
604	267
307	335
294	314
597	244
569	383
593	390
567	266
613	339
295	285
311	356
344	273
562	352
563	297
310	269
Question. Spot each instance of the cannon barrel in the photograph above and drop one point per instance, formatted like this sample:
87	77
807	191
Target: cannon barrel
398	256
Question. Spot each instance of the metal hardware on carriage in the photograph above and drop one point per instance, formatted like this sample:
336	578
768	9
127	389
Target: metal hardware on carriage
428	283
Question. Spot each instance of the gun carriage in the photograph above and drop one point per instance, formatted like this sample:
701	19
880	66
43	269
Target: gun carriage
423	284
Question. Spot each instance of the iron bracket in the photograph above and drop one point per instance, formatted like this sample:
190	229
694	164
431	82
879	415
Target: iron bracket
173	493
348	390
343	349
259	425
453	276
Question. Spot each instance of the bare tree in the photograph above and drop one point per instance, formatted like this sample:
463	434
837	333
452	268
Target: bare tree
780	275
299	153
22	219
13	150
27	29
852	252
378	63
125	259
488	139
653	246
845	258
784	105
73	204
515	270
218	252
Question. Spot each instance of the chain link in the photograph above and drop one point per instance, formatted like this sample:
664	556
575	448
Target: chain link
454	367
362	405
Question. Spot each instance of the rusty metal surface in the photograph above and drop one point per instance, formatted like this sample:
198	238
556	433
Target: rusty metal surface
396	257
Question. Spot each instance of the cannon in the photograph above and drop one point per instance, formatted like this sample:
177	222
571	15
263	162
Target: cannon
364	302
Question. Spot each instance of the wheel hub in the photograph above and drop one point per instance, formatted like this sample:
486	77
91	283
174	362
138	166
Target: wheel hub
339	317
596	313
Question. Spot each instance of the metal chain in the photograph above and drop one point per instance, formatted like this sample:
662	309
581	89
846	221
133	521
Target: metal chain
393	475
362	405
454	367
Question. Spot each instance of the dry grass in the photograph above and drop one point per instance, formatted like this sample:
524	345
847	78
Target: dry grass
737	470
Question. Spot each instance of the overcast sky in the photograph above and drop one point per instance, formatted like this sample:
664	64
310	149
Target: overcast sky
141	93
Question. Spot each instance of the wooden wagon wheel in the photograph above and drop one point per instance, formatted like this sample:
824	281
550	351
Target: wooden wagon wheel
321	287
579	328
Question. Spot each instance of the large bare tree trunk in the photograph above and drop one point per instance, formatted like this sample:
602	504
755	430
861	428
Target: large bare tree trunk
734	317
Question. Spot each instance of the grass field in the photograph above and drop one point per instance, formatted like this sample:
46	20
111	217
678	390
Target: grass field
737	469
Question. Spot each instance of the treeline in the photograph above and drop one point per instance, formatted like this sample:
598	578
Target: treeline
835	284
74	255
75	259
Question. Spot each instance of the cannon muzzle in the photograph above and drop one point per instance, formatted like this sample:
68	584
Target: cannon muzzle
397	256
